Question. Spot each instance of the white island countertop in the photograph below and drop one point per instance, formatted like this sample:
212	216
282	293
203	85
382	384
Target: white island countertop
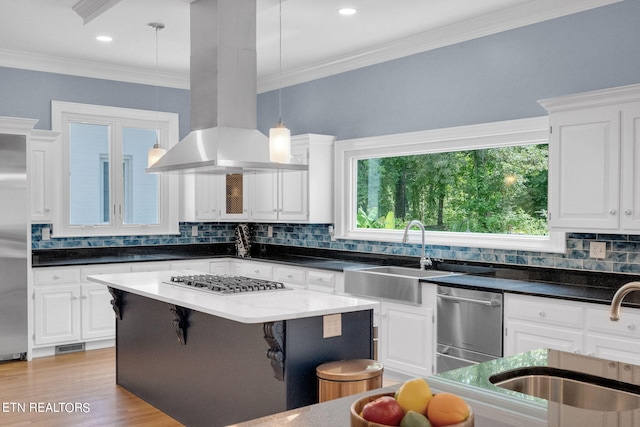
257	307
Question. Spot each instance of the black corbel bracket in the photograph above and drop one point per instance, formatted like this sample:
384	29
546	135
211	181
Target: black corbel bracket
181	322
117	301
274	335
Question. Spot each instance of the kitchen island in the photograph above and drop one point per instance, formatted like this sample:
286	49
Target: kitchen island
212	360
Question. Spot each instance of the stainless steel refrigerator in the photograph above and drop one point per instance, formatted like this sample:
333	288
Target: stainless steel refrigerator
14	248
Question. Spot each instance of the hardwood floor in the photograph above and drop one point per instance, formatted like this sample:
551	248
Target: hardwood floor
76	389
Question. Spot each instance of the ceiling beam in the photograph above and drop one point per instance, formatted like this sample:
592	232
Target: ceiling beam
91	9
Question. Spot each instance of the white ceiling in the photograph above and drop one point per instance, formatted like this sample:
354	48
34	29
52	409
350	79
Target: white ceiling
47	35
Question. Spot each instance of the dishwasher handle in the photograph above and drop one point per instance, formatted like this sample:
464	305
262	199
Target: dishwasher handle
489	303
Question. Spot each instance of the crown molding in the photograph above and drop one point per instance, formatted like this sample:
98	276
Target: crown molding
82	68
506	19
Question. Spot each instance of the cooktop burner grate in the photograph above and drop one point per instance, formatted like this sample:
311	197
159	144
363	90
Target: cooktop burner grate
225	284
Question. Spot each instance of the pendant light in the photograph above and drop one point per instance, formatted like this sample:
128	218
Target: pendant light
280	136
156	152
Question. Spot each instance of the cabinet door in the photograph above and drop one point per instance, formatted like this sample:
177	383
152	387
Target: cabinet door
98	318
584	163
44	146
631	169
263	188
294	190
57	314
208	197
521	336
406	337
613	348
234	204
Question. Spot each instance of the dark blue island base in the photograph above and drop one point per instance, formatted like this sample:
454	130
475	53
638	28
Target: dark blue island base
208	371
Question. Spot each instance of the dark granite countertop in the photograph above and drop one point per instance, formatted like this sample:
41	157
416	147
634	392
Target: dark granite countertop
583	286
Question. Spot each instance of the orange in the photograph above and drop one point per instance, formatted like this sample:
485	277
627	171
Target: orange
445	409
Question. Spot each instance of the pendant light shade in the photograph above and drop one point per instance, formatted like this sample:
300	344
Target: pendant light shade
155	154
279	143
280	136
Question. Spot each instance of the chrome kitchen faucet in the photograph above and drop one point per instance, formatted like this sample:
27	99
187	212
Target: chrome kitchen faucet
616	302
425	261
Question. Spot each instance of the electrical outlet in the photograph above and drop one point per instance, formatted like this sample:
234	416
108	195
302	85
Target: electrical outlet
194	230
46	233
331	325
598	250
269	230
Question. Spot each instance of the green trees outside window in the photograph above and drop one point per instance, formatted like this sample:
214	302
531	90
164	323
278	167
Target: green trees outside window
493	190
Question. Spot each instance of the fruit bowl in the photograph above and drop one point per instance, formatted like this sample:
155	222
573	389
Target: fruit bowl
358	421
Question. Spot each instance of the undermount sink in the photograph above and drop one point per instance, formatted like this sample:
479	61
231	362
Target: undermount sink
389	282
571	388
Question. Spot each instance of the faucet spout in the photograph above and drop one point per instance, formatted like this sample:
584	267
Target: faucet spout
616	302
425	261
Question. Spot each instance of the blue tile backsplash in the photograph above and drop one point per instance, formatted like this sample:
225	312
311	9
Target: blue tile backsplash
623	251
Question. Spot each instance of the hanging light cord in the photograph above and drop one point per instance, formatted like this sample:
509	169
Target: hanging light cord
280	65
157	26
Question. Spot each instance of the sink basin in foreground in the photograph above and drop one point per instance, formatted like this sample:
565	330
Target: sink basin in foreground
395	283
571	388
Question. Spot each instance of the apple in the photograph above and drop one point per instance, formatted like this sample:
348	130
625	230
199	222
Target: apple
384	410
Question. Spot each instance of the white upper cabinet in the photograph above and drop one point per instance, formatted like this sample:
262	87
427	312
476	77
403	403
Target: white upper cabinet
594	156
45	148
297	196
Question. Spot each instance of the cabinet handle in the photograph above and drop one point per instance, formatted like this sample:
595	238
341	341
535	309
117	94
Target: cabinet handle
290	276
627	212
73	298
84	297
612	212
46	210
56	277
542	314
631	326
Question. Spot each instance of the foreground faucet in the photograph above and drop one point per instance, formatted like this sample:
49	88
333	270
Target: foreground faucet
616	302
425	261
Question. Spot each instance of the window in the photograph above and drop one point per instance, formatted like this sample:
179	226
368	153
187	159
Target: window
480	186
105	190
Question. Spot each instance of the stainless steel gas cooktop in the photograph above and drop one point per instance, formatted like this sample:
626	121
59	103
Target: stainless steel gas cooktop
224	284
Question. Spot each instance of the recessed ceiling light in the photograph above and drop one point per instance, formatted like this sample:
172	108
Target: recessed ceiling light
104	38
347	11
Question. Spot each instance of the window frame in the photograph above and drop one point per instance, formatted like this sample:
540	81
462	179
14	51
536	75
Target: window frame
472	137
62	113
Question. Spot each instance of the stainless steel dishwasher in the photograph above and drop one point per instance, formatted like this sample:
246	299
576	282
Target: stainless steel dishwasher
469	327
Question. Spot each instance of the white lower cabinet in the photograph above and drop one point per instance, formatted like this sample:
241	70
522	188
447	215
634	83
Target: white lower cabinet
98	318
57	314
536	322
69	309
571	326
406	335
68	313
293	277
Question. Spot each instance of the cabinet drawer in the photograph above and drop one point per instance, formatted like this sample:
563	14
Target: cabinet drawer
628	325
104	269
322	279
544	310
258	270
52	276
289	275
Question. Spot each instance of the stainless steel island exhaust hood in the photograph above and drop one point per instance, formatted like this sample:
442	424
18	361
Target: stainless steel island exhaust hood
224	137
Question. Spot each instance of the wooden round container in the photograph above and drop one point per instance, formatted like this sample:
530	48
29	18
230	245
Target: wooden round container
358	421
347	377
